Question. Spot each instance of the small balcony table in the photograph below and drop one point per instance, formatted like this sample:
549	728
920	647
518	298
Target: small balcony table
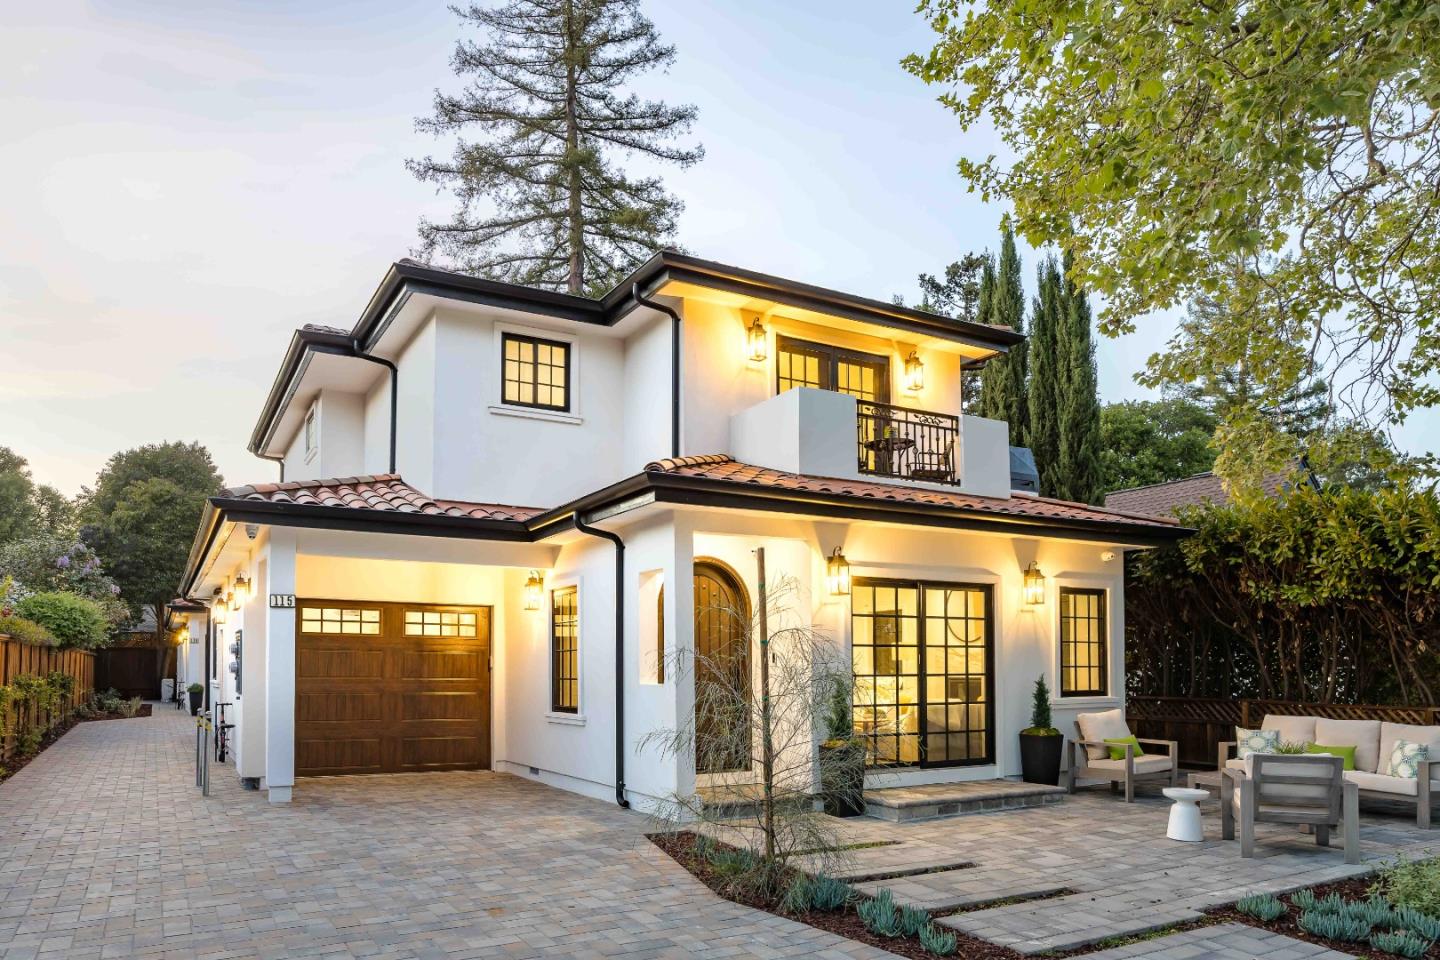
1185	814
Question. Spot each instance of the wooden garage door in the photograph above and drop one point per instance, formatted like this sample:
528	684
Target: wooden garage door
391	687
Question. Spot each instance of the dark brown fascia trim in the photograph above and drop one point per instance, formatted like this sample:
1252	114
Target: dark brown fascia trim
205	534
375	521
302	342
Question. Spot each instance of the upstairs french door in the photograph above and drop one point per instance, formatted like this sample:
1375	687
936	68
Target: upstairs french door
800	363
922	655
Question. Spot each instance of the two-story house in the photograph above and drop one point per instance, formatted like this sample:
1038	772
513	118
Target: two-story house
506	513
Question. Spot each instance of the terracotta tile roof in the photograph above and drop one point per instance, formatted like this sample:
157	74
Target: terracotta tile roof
386	491
720	467
324	328
1164	499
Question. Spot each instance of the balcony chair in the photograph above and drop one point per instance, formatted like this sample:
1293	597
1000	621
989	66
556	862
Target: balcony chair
1090	755
1306	790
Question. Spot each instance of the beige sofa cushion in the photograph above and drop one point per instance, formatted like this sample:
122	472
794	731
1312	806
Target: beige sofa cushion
1145	764
1292	729
1098	727
1363	735
1378	782
1390	732
1235	763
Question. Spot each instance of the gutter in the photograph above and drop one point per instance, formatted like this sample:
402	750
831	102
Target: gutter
614	538
675	322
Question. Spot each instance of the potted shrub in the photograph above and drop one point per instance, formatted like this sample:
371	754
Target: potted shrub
195	690
1040	743
842	756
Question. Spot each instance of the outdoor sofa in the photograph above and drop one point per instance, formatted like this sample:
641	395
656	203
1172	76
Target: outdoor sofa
1373	741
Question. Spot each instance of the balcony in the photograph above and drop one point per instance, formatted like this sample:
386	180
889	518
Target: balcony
821	433
905	444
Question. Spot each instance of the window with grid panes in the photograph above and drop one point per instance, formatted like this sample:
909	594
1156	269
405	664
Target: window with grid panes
439	623
535	372
1083	671
564	651
340	620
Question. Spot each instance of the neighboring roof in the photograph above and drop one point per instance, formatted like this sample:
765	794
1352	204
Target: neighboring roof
720	467
408	277
1165	499
384	492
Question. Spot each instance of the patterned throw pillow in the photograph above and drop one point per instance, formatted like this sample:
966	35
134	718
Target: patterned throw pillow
1405	759
1255	741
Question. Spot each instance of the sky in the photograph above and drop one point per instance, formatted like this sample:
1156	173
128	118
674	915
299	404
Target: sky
185	184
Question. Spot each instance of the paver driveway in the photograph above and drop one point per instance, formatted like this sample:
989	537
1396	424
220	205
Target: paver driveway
107	851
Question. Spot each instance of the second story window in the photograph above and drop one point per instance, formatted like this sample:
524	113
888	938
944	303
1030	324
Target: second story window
312	433
800	363
535	372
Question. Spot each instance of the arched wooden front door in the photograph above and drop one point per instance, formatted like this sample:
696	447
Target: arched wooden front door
722	670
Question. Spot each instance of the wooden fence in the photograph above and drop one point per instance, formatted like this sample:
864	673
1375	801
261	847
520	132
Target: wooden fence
129	671
1199	724
20	659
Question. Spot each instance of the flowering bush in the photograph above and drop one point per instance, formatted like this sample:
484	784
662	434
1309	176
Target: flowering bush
46	563
74	620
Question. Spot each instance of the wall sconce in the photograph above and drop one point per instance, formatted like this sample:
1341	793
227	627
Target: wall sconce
217	612
756	343
1034	589
231	602
534	587
914	373
837	574
242	591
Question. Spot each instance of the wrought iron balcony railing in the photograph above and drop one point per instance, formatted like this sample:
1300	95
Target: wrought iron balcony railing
905	443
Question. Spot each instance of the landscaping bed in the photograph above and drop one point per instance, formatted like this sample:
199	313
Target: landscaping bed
1353	890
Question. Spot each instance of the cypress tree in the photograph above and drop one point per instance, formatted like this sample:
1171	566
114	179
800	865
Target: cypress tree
1046	374
1002	391
972	380
1080	473
542	199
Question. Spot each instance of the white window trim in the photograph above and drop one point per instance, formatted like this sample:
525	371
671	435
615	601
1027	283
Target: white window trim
1083	581
497	357
576	719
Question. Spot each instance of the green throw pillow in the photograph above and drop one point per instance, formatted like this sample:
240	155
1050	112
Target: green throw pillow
1117	747
1348	753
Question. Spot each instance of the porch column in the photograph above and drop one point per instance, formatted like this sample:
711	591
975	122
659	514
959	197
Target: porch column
280	669
680	610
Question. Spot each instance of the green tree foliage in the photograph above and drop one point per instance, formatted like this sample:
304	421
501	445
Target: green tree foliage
542	200
1047	376
1320	596
73	620
1152	441
1080	474
141	516
27	508
1281	158
958	293
1002	385
50	563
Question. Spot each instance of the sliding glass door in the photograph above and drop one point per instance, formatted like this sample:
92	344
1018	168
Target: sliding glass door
922	659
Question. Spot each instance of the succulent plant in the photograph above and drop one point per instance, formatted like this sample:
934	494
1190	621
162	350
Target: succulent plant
799	896
827	893
937	941
1401	944
1375	911
1334	926
879	915
913	920
1262	906
1422	925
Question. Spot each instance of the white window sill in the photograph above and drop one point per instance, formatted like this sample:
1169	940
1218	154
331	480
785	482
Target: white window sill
1061	703
566	719
535	413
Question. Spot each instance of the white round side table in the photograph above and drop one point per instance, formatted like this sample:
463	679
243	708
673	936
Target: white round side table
1185	814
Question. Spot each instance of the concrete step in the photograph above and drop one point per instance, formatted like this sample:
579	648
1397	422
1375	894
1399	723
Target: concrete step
907	804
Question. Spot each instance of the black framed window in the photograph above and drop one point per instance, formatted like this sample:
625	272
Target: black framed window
1083	668
800	363
922	655
564	651
535	372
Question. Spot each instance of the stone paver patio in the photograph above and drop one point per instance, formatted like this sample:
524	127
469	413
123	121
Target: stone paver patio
108	851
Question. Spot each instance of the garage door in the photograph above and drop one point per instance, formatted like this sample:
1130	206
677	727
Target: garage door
391	687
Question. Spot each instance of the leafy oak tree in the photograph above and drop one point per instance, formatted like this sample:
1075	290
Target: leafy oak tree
1280	157
541	123
1152	441
28	508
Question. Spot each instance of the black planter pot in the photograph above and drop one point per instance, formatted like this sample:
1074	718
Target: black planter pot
1040	758
842	779
195	701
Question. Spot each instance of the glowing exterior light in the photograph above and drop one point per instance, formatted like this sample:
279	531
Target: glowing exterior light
1034	590
756	343
837	574
534	587
914	373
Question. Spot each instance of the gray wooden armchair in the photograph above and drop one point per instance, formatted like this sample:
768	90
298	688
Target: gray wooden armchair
1309	791
1090	755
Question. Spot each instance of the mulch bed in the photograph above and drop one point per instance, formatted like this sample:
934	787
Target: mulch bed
844	923
15	764
1355	888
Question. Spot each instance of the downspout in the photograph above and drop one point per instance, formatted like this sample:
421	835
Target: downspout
614	538
394	393
279	460
674	365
